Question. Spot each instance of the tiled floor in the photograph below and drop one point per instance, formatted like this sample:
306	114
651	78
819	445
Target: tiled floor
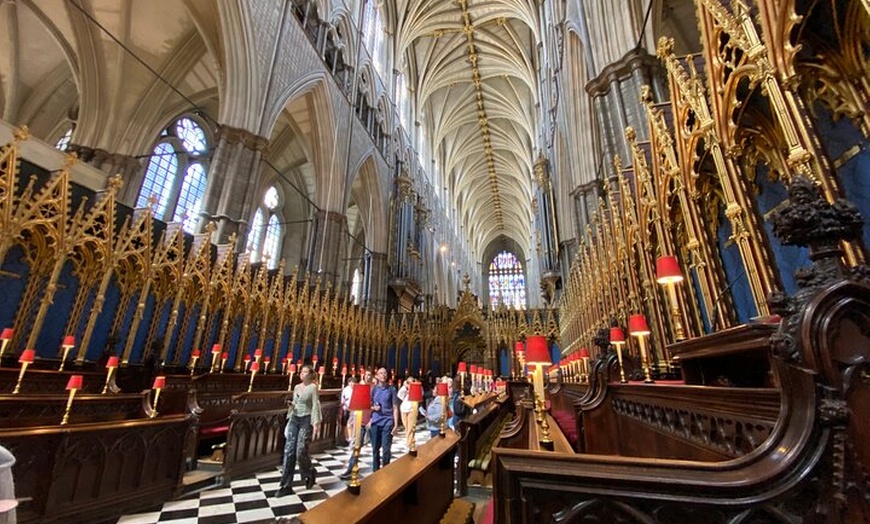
250	499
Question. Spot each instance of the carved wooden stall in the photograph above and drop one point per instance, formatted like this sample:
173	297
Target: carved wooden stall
796	453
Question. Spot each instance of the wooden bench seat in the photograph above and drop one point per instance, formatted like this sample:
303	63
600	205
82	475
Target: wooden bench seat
411	489
20	411
480	431
95	472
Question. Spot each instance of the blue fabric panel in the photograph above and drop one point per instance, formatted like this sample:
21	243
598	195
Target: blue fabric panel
48	343
734	273
838	137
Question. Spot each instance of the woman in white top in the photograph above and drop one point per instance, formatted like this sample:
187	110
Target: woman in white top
406	408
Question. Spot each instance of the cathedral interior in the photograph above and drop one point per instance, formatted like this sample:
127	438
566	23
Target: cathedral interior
635	231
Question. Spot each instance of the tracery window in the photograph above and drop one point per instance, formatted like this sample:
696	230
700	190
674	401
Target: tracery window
373	31
264	239
175	177
356	286
64	141
402	101
507	281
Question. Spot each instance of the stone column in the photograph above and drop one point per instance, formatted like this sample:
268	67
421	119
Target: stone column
326	245
232	183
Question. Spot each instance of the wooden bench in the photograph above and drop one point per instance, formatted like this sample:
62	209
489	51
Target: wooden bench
48	381
480	431
20	411
95	472
411	489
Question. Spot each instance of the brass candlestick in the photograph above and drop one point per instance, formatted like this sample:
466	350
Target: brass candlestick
66	349
412	446
353	485
254	368
74	384
443	429
619	357
110	365
25	359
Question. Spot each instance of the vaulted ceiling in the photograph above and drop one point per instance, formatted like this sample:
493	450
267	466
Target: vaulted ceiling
475	81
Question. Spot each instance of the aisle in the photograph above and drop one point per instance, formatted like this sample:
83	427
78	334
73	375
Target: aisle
250	499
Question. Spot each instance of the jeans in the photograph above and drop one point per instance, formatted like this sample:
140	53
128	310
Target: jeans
298	436
382	440
362	439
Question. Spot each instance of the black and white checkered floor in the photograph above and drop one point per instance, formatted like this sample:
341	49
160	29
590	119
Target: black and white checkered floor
251	499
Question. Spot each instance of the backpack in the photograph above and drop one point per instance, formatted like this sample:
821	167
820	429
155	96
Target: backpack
433	412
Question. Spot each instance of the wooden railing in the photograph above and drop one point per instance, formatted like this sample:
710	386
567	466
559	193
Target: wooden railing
411	489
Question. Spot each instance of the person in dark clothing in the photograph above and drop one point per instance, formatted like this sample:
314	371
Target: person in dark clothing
385	419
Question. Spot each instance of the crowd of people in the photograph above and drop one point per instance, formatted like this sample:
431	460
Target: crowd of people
390	409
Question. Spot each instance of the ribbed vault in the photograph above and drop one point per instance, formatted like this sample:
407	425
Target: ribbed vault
476	86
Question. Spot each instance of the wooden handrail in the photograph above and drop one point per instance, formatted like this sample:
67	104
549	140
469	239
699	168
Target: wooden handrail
410	487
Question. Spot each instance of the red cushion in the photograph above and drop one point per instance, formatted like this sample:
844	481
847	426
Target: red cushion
213	431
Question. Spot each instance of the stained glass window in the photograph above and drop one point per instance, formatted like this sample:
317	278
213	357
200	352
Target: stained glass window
175	177
264	239
507	282
374	36
63	143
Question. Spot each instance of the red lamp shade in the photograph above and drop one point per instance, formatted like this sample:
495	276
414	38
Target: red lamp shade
299	362
159	382
461	368
518	347
344	370
216	348
441	389
292	368
27	356
360	397
196	353
314	359
69	340
362	370
415	392
616	335
335	361
473	369
225	355
583	353
112	363
7	334
668	270
255	366
637	325
537	350
258	352
75	382
248	358
322	370
267	360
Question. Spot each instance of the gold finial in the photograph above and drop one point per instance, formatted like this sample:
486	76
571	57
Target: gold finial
630	134
645	94
114	183
20	134
665	47
69	160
